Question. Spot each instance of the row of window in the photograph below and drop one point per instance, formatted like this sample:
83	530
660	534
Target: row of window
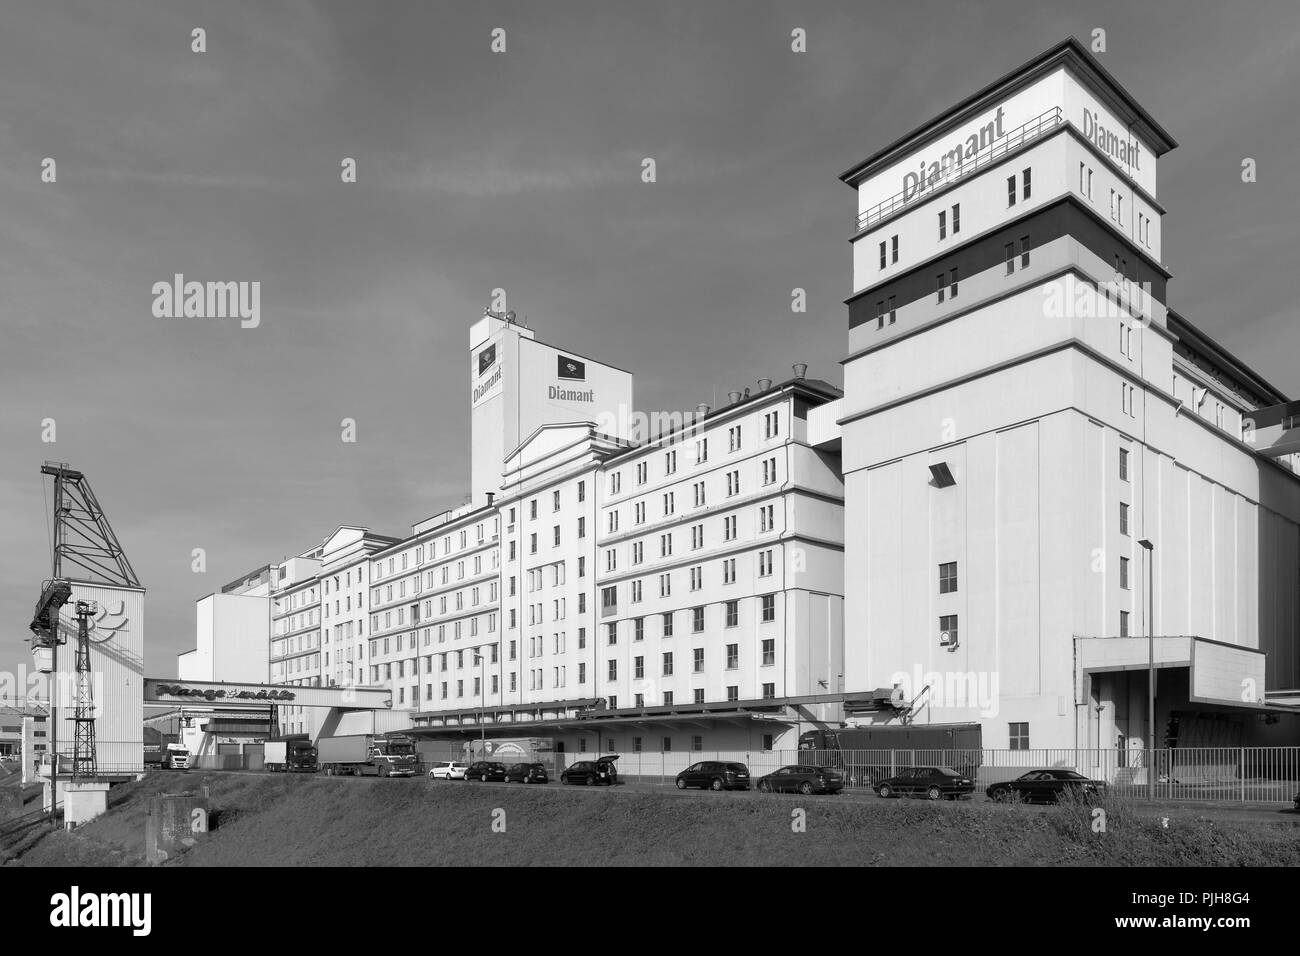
480	537
609	594
771	430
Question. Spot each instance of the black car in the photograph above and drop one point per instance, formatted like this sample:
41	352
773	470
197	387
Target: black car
715	775
591	772
804	778
485	770
526	773
934	783
1044	786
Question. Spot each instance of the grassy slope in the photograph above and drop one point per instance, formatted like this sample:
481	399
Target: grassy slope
295	821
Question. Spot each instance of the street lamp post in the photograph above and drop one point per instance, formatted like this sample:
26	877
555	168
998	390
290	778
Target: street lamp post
1149	548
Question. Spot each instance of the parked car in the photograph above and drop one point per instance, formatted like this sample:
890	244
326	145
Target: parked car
591	772
715	775
803	778
485	770
527	773
1045	786
448	770
935	783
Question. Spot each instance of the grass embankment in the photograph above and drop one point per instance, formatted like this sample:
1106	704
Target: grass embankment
296	821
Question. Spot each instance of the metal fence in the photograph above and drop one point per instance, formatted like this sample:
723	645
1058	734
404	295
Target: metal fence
1239	774
1234	774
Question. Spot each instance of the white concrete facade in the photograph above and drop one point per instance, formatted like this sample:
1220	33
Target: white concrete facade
1021	353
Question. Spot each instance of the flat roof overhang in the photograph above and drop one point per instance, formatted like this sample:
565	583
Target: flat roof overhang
1219	674
543	728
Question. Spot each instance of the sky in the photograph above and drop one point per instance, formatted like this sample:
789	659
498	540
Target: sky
518	170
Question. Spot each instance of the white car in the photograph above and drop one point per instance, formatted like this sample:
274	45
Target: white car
448	770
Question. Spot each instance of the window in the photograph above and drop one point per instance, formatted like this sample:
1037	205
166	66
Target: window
1123	518
893	247
733	692
697	662
1123	464
880	314
613	670
1026	183
882	255
956	219
668	624
948	577
668	664
893	313
733	613
638	667
697	742
952	282
670	464
768	603
940	284
1019	736
611	633
1011	190
1024	252
697	615
608	600
733	438
733	656
666	743
772	428
582	491
729	571
642	473
638	629
532	512
943	224
769	652
764	563
1123	573
1123	623
948	625
769	691
1010	251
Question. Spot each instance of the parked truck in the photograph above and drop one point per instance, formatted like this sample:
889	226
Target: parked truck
175	757
291	755
509	749
868	755
383	755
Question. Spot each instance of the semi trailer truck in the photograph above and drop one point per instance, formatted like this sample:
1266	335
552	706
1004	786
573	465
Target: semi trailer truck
375	755
296	755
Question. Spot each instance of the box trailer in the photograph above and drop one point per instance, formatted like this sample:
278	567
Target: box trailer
870	754
295	755
381	755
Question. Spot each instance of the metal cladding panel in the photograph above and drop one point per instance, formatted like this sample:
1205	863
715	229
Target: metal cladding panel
117	675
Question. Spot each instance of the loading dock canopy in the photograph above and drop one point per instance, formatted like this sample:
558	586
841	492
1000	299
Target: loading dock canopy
1219	673
165	690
